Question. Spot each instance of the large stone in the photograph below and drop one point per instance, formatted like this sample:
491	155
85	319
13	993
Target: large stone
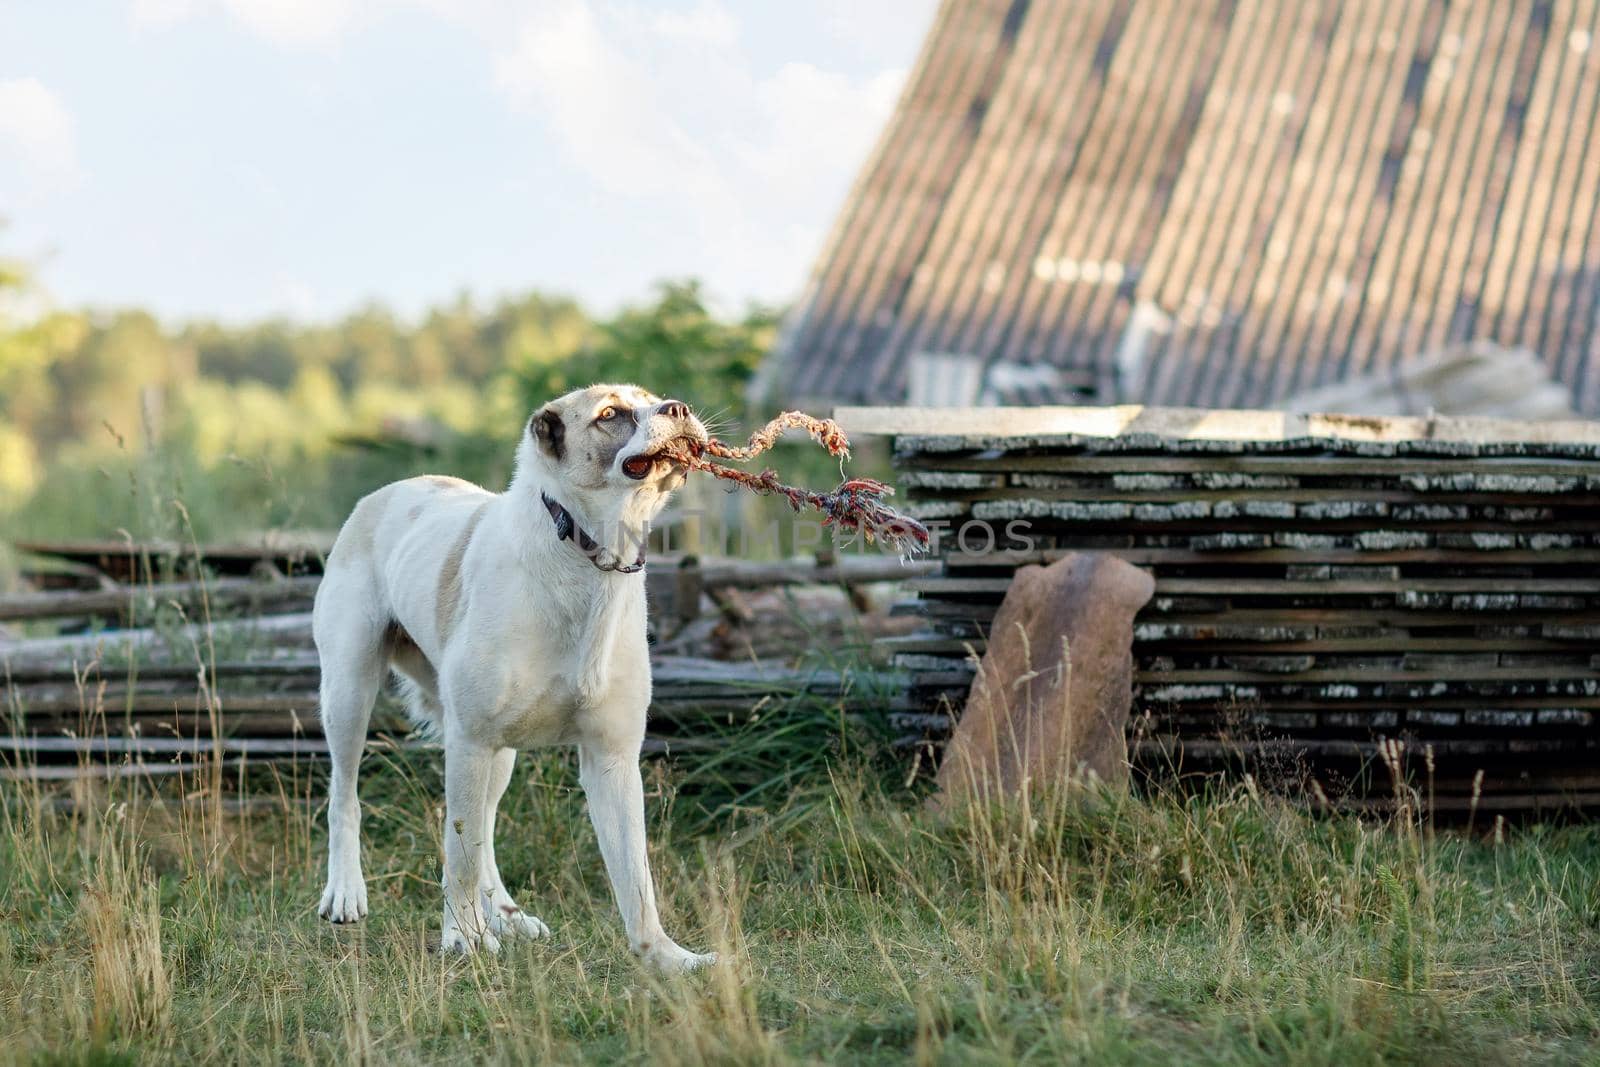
1051	698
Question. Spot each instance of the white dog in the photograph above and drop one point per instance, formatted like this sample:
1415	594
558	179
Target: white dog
514	619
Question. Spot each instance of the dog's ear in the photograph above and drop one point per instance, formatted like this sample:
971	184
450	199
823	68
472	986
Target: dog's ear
551	433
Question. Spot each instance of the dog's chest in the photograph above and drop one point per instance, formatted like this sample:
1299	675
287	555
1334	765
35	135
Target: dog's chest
560	690
545	715
554	711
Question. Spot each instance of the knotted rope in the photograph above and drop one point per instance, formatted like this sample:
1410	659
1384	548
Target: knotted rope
856	504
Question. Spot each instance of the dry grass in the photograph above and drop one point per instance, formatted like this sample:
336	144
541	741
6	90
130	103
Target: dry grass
121	913
854	928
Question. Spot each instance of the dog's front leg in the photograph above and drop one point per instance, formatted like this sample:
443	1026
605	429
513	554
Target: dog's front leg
506	917
468	769
615	791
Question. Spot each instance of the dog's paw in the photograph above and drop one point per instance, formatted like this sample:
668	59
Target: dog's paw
668	957
460	942
510	921
344	901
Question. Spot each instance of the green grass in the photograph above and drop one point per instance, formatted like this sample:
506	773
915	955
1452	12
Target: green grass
855	927
169	493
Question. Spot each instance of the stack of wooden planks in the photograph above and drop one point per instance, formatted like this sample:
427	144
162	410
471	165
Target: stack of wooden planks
166	716
1325	586
146	686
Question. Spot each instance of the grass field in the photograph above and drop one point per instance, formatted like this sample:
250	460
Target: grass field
854	928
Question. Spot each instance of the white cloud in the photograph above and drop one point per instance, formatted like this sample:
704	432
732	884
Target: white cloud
161	12
292	23
708	22
865	26
296	22
666	105
566	67
38	143
803	106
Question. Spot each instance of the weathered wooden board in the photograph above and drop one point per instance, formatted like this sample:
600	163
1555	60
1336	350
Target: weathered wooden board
118	601
1174	426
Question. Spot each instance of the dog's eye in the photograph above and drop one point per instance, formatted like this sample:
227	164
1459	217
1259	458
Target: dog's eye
607	414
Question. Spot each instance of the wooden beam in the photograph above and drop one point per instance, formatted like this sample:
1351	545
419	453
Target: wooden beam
119	601
1201	424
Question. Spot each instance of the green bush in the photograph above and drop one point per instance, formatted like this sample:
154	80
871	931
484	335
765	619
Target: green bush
674	347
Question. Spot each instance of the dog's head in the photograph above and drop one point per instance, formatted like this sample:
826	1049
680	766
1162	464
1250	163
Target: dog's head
608	440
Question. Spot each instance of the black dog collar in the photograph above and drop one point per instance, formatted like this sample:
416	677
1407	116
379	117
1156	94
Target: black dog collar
567	529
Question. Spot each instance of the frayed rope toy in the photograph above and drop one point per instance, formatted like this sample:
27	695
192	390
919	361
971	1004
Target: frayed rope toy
857	503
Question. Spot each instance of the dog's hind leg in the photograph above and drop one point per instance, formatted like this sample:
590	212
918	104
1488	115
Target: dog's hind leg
352	648
505	918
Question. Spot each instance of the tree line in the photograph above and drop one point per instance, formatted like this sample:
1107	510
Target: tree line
74	383
87	392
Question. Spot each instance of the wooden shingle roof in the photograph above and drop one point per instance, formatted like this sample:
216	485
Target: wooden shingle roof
1218	202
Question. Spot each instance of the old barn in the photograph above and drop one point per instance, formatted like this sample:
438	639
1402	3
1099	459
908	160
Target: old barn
1219	203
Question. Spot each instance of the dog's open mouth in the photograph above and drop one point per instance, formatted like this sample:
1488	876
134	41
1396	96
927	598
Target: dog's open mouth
641	466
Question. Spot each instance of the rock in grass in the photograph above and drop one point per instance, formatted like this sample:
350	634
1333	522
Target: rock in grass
1050	702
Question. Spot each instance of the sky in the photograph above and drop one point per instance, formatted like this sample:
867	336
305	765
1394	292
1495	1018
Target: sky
237	159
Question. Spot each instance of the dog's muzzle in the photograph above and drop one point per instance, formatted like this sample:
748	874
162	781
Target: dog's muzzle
691	441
